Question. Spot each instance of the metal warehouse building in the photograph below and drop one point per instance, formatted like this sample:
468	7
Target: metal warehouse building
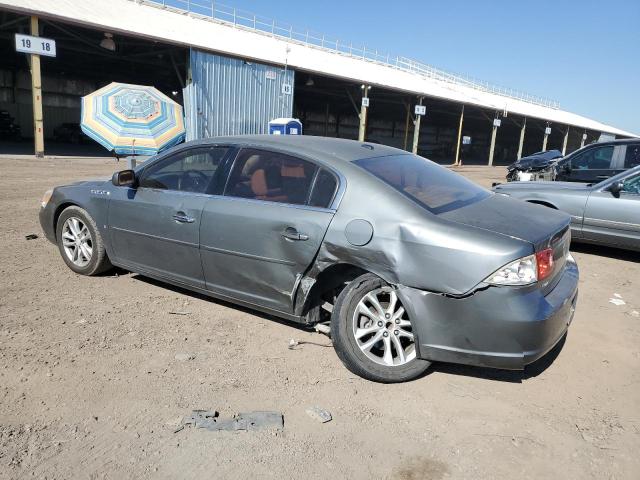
234	71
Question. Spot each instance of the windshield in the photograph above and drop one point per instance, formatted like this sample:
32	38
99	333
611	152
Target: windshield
434	187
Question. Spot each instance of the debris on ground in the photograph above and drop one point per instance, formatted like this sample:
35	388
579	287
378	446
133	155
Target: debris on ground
319	414
295	343
249	421
179	313
323	328
635	313
184	357
31	236
617	301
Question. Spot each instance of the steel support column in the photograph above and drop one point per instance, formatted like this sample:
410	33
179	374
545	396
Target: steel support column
416	131
406	126
363	114
565	141
522	131
457	162
545	139
36	92
492	148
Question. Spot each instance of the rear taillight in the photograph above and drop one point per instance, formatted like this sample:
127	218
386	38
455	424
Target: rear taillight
544	259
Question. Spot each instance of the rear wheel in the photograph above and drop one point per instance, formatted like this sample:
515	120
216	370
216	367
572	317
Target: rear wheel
80	243
373	334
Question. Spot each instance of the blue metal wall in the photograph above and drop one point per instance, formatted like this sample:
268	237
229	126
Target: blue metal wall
234	97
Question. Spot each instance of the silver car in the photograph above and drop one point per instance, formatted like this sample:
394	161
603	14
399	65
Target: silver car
405	261
607	213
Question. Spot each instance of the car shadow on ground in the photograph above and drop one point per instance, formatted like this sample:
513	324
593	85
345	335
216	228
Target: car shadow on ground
201	296
601	250
510	376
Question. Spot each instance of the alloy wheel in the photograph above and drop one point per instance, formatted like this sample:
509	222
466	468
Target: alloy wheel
77	241
382	328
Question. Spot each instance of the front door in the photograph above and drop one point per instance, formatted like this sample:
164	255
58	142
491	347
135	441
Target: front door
591	166
614	220
260	237
155	227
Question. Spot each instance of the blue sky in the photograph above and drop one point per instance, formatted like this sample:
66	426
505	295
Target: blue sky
583	53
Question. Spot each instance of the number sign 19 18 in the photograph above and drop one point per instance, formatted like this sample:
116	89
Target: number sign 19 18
37	45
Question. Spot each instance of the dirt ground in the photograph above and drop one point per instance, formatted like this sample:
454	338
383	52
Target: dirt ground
90	386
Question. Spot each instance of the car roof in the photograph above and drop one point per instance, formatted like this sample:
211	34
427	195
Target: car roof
619	141
322	148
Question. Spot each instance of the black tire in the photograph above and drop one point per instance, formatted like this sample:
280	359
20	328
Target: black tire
346	345
99	262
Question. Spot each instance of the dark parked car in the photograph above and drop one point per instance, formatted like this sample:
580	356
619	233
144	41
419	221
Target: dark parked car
9	130
69	132
599	161
606	213
408	261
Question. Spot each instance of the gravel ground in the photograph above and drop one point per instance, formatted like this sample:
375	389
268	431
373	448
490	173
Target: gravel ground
90	386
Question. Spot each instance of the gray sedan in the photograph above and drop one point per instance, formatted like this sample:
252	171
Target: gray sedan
607	213
405	261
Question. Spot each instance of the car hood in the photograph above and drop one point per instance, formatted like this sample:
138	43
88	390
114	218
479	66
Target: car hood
517	219
536	161
540	186
98	182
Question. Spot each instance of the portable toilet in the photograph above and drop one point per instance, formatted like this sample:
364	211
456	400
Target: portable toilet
285	126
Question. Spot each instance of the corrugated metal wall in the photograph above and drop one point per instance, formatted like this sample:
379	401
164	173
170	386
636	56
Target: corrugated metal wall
234	97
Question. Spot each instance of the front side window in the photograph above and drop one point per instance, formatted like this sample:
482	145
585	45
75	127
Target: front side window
597	158
271	176
632	158
434	187
632	185
188	171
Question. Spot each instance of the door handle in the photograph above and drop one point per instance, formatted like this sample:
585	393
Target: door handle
182	217
602	177
291	233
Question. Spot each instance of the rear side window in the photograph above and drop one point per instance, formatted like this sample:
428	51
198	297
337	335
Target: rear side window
323	190
632	158
434	187
270	176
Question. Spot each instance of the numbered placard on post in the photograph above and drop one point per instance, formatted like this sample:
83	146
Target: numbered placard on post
421	110
547	131
365	102
497	122
37	45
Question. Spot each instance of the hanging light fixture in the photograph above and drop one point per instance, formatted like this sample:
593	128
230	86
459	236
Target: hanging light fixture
107	42
310	82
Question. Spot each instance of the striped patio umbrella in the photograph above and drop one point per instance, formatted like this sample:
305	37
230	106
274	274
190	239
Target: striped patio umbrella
132	119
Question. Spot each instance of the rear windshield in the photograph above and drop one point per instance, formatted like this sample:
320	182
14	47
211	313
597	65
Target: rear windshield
434	187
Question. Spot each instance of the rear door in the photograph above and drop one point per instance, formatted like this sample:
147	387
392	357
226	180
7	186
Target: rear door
155	227
629	156
614	220
592	166
259	238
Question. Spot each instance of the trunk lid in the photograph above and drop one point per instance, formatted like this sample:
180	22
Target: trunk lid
525	221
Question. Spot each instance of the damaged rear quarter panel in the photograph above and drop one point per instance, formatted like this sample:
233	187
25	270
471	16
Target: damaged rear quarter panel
411	246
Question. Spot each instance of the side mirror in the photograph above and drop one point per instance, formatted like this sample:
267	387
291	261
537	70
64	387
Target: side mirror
566	168
124	178
616	188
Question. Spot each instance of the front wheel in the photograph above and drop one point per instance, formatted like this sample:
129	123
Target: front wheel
373	334
80	243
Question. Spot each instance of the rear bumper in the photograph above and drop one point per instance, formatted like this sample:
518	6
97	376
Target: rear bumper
499	327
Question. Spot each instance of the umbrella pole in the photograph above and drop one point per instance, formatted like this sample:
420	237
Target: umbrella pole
132	157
